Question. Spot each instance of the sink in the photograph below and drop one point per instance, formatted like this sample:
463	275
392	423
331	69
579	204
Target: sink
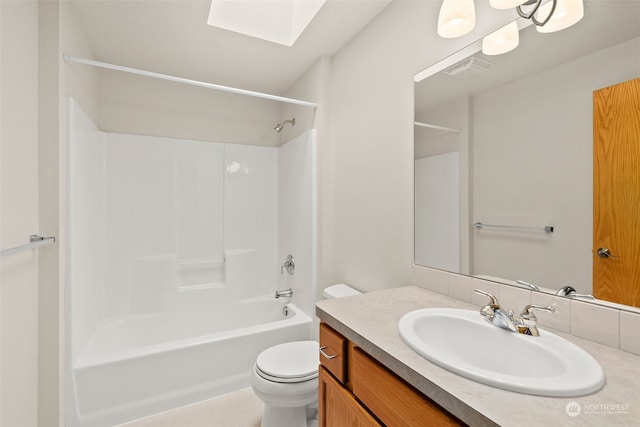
462	342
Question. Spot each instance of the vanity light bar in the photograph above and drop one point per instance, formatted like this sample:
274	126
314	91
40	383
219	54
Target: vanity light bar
545	229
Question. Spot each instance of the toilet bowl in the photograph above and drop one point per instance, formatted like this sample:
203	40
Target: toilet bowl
285	377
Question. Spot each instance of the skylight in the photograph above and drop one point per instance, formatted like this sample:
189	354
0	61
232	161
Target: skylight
278	21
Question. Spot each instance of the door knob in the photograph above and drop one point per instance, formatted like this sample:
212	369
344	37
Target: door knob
605	253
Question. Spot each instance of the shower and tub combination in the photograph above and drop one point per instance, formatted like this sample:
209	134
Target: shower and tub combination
175	249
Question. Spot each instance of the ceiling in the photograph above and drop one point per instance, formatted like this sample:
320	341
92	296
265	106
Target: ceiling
172	37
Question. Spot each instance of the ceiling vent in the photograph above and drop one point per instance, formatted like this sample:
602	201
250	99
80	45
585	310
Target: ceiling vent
468	68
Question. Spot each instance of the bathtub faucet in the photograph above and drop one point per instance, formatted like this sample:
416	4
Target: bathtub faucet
285	293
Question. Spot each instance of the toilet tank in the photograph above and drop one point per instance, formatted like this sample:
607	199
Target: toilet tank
339	291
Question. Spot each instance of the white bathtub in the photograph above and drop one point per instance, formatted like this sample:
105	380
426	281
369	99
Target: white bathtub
143	365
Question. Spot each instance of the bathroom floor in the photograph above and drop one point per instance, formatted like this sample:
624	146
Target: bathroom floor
238	409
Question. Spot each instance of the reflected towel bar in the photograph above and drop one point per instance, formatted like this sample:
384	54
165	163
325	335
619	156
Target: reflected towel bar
34	242
545	229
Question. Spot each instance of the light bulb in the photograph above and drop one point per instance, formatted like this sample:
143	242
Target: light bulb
456	18
567	13
502	40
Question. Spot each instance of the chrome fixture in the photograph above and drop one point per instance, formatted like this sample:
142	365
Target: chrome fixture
531	14
286	293
34	241
280	126
605	253
570	291
325	355
546	228
526	324
288	265
528	285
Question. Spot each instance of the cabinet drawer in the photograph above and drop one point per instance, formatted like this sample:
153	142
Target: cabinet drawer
334	347
394	401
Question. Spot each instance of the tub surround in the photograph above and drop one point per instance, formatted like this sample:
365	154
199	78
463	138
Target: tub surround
372	324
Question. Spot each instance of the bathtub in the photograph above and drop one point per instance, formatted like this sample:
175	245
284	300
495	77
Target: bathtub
138	366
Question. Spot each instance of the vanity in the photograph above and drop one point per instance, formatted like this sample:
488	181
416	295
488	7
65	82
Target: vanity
376	379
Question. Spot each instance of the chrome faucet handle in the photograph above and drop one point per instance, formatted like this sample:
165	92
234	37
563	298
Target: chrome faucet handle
489	310
493	301
527	323
527	311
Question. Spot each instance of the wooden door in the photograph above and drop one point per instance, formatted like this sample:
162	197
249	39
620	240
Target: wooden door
337	407
616	193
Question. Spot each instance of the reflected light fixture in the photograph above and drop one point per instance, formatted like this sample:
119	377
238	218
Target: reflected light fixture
502	40
456	18
567	13
506	4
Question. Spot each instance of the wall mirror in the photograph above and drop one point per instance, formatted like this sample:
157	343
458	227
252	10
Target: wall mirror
507	141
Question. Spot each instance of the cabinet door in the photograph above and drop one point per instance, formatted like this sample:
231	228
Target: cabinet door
393	401
338	407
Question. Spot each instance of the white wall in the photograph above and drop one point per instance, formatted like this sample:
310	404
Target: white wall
536	169
140	105
383	118
19	213
372	140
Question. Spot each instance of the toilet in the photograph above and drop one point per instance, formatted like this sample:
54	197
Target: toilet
285	377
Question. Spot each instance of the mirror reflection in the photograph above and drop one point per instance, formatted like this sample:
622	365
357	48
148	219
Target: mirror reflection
508	141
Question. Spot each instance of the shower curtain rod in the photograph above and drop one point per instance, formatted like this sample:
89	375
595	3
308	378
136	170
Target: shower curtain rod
69	58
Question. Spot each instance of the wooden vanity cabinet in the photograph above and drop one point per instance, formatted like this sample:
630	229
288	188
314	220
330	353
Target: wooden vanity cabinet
355	390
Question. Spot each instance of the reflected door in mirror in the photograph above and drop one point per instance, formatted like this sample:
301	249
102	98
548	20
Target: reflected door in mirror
616	194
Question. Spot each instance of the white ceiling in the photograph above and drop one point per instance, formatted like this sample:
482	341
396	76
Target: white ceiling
172	37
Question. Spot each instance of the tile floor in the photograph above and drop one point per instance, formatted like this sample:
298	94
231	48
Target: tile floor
238	409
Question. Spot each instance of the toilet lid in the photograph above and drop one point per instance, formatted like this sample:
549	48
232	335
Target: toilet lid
289	362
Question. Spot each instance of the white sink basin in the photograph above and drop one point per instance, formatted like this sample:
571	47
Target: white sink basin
463	342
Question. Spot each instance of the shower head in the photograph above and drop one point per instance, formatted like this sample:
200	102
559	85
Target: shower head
280	126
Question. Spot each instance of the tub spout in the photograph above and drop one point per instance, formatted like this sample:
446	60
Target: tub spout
285	293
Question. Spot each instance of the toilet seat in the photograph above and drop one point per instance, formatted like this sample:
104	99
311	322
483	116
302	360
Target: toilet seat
291	362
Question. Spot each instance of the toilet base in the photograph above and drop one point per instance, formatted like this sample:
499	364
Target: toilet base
279	416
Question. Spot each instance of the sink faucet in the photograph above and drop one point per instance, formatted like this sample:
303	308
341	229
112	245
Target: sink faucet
526	324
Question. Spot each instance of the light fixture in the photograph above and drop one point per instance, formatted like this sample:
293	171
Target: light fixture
506	4
456	18
567	13
502	40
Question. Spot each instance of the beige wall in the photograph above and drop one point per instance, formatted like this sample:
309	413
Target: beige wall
19	213
32	197
372	140
365	170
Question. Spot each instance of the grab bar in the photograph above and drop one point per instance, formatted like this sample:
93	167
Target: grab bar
34	242
546	228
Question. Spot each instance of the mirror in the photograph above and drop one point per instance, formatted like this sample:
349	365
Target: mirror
507	141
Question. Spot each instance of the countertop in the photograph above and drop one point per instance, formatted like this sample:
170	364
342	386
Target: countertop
370	321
